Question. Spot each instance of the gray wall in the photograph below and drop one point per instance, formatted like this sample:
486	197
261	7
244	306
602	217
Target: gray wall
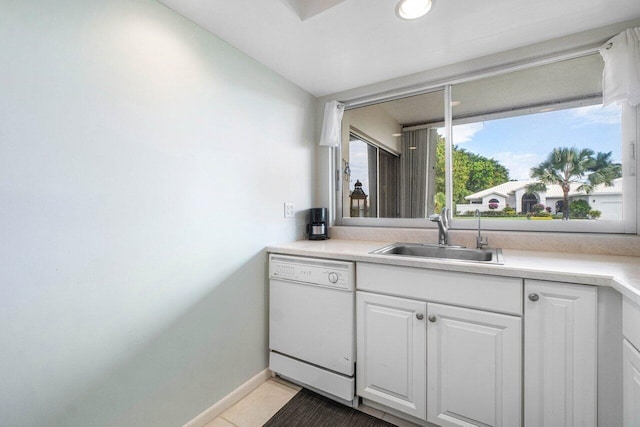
143	168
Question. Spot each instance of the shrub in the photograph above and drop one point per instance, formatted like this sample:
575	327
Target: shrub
509	211
538	207
579	209
594	214
493	206
543	214
502	213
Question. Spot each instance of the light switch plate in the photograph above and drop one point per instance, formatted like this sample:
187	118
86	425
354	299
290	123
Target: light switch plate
288	210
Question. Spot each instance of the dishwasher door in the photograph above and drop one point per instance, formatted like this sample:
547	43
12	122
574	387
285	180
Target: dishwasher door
314	324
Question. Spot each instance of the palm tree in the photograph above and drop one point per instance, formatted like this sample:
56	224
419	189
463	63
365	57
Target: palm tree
566	166
604	170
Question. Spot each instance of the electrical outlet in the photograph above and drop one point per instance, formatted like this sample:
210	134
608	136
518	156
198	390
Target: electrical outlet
288	210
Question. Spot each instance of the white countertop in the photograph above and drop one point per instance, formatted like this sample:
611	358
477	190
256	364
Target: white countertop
619	272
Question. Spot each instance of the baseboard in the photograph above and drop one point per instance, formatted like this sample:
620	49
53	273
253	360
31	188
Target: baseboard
229	400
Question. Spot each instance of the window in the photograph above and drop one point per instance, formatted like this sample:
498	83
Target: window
405	182
372	179
504	129
515	145
541	140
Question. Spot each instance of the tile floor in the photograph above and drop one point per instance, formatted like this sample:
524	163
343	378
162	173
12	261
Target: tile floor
262	403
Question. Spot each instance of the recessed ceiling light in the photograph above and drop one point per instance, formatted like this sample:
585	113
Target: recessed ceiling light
413	9
455	103
396	134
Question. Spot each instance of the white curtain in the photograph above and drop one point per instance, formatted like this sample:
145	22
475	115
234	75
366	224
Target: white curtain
621	75
332	124
417	179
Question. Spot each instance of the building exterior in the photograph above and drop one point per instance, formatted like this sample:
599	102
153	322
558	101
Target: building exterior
606	199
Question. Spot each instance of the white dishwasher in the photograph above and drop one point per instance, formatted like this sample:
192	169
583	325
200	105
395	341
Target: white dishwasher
312	323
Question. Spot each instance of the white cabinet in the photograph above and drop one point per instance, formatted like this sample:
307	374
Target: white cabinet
474	355
391	352
474	367
560	366
631	364
631	385
426	350
471	358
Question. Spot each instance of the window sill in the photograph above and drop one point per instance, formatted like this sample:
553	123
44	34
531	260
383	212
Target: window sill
585	243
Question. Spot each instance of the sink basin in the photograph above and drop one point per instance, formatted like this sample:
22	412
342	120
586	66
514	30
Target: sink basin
457	253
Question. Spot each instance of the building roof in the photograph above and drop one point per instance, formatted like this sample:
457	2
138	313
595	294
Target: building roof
504	189
553	191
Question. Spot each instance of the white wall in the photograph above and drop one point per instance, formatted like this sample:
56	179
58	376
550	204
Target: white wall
375	123
143	168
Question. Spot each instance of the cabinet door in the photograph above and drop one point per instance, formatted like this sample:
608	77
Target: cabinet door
560	362
391	352
474	367
631	384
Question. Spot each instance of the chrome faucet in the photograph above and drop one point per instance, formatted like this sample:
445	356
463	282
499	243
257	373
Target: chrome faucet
443	226
481	242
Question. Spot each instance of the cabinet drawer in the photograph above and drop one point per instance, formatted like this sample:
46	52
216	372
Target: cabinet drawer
493	293
631	322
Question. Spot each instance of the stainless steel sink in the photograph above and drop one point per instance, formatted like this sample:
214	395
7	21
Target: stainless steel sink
457	253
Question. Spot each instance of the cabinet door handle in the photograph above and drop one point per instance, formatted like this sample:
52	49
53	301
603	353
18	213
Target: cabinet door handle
419	316
432	318
534	297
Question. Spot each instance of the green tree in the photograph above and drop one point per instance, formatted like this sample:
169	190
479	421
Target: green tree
604	169
439	174
484	173
460	172
579	208
565	166
439	201
471	172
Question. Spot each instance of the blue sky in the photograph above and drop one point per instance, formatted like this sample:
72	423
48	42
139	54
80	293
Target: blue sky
524	141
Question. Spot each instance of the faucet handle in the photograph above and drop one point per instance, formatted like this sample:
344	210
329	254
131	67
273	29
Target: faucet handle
444	217
482	242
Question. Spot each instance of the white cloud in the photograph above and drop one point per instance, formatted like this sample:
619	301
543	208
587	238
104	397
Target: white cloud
595	114
519	165
464	133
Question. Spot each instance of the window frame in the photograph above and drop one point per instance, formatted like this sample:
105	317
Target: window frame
379	147
630	134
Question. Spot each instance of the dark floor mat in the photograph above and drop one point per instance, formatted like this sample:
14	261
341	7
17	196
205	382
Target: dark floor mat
309	409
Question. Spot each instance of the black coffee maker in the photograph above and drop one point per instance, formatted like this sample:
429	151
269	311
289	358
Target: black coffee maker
318	228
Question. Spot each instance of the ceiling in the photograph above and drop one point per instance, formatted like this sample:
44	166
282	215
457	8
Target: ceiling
327	46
